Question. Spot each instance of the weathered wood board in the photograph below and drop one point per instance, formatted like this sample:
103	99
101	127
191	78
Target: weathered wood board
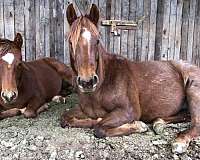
170	30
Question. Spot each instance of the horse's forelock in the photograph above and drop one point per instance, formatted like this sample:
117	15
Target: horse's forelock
76	30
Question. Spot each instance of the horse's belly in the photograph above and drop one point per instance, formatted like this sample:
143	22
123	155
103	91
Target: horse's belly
161	99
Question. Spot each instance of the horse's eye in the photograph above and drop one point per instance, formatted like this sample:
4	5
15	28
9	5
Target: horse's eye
97	41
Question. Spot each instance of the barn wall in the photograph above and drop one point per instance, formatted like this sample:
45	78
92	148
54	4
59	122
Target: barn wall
170	30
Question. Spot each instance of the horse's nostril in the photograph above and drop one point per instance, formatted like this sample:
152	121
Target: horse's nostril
14	95
78	80
95	79
3	95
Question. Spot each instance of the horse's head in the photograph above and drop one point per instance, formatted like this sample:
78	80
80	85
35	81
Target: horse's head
83	44
10	64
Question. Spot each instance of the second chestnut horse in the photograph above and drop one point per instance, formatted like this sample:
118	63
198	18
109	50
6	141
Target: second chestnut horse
27	86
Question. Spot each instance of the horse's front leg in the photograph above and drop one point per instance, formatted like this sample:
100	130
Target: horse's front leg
76	118
119	122
10	113
34	107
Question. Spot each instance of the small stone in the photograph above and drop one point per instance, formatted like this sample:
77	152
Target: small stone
155	156
7	144
32	148
41	138
53	155
176	157
159	142
80	155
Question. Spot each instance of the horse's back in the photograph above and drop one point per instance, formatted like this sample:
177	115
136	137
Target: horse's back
48	80
161	89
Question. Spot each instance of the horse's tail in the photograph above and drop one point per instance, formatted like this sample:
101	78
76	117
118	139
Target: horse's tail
64	71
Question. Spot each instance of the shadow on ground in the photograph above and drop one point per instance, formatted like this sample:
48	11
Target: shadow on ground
43	138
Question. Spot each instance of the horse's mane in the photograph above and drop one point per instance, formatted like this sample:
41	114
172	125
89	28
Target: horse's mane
75	31
7	44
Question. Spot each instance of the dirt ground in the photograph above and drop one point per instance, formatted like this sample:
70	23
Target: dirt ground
43	138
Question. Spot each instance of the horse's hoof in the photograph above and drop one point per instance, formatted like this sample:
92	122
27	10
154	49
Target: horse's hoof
30	114
179	147
99	133
64	123
140	126
159	126
59	99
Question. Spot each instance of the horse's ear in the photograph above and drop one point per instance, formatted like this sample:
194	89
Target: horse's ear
18	40
71	14
94	14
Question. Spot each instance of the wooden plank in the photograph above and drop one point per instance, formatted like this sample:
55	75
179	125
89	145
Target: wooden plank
139	14
103	30
19	22
146	29
172	29
124	33
159	30
9	19
1	19
52	23
132	33
152	30
184	34
59	36
117	39
178	30
46	29
196	42
112	16
39	6
66	31
191	29
108	16
30	32
165	36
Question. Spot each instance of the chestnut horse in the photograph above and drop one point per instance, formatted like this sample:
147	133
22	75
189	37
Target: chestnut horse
27	86
117	96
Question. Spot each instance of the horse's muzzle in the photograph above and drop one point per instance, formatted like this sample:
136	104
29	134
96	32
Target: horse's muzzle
87	85
9	96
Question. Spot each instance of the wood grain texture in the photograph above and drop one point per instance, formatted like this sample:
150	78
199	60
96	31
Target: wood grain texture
1	19
193	4
165	31
19	21
132	53
30	32
139	30
184	33
152	29
171	29
146	29
178	29
9	18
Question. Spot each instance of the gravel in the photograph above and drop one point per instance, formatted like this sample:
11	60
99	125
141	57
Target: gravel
43	139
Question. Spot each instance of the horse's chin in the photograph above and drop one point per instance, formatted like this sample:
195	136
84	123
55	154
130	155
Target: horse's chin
85	90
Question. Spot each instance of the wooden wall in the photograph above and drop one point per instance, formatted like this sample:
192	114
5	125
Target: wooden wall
170	30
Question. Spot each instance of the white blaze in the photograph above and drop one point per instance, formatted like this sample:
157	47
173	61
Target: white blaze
9	58
86	34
